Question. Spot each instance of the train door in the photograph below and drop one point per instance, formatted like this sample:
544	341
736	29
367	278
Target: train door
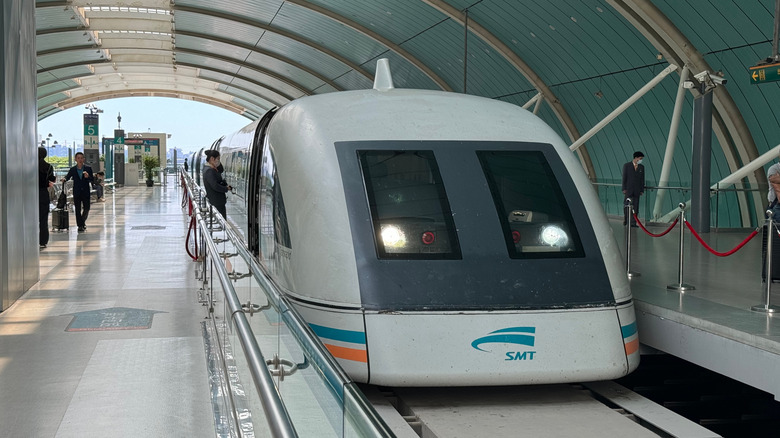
253	194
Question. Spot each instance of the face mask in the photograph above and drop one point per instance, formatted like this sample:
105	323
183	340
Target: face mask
639	162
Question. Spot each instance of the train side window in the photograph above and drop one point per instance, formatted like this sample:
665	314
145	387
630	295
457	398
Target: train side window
534	214
410	212
274	232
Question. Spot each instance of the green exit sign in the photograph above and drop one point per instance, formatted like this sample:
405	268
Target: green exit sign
764	73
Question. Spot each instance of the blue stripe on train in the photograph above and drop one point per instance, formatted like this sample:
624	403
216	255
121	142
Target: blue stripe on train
339	334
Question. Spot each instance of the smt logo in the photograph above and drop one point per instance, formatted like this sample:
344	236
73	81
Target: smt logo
509	335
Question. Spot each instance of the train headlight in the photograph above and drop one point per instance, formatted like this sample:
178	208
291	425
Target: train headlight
393	237
553	235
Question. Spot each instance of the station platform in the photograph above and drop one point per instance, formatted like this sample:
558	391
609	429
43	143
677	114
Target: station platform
110	341
711	325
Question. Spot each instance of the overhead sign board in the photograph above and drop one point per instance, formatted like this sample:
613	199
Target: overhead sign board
764	73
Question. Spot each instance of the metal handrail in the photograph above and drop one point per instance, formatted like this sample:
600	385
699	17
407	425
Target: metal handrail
316	352
275	412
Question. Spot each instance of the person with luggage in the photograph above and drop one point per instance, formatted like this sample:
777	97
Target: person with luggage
82	177
46	180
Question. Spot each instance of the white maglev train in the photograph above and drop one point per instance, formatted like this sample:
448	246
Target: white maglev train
433	239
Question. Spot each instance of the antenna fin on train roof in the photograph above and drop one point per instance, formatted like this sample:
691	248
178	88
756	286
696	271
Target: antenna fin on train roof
383	80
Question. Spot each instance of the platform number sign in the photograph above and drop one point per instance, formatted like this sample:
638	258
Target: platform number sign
91	132
90	124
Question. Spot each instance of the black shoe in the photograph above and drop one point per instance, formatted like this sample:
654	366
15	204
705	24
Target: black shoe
82	229
634	226
43	245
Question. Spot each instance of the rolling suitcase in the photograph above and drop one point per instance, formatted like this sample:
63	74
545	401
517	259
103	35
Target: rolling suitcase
59	219
775	256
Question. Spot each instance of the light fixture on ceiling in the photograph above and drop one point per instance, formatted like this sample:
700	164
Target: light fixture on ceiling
599	94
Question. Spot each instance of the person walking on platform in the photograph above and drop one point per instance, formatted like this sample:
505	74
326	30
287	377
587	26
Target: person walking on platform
633	184
46	180
82	177
216	187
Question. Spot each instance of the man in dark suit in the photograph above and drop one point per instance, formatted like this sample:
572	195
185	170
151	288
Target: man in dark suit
82	177
633	184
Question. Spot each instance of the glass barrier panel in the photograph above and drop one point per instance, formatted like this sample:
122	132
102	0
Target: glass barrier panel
314	408
311	390
734	206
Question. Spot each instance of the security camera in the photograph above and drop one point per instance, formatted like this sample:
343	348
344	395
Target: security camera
719	80
688	84
710	79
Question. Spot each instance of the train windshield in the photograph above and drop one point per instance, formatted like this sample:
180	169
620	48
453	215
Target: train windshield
409	208
534	215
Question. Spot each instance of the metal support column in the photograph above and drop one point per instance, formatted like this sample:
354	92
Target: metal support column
671	141
702	155
624	106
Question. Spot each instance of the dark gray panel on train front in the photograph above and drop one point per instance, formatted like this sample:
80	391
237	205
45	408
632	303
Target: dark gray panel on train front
485	277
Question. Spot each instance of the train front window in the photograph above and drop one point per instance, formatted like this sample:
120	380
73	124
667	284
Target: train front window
409	208
534	215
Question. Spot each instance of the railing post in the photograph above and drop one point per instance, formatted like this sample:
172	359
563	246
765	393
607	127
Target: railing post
680	286
767	307
627	213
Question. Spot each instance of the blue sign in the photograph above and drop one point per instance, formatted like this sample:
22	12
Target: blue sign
114	318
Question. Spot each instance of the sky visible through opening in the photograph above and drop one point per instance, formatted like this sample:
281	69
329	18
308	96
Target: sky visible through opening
192	125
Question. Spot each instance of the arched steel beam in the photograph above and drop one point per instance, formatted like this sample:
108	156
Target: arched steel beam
149	92
211	55
78	28
730	127
263	86
376	37
208	81
272	101
52	4
60	79
292	36
252	48
529	74
250	80
253	67
72	64
68	49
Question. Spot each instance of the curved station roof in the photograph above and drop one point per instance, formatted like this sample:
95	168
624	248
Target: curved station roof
571	61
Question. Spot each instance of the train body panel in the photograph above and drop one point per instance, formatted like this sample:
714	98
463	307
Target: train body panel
457	349
343	333
408	224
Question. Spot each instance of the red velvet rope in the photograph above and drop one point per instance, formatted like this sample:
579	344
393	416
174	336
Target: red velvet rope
656	235
187	242
720	254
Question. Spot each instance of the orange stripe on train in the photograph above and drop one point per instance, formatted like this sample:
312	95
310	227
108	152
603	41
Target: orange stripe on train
347	353
632	347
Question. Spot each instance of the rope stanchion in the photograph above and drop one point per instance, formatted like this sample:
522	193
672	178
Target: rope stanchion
767	307
720	254
628	207
680	286
195	238
671	227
